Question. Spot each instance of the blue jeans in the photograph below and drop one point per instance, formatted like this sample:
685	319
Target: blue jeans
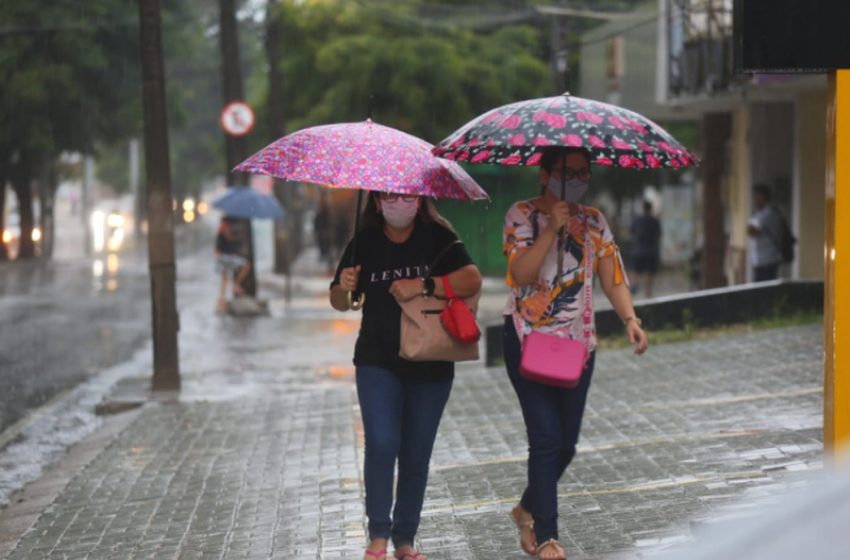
400	419
552	421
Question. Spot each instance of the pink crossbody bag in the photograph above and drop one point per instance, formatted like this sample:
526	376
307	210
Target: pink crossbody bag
555	360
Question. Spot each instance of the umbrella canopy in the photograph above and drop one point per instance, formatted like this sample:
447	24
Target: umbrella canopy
366	156
245	202
513	135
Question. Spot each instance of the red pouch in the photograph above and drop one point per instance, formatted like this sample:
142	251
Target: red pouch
457	318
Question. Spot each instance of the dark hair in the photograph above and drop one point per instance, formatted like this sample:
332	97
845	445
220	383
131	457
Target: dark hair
553	154
427	214
763	190
647	206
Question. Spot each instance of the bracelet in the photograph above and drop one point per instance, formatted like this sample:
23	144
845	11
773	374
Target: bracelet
632	318
428	286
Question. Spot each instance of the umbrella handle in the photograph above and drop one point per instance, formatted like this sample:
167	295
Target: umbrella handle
356	304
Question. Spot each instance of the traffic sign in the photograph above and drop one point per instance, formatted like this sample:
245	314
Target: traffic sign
237	118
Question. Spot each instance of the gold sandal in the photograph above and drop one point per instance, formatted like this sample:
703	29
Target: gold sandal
551	542
520	525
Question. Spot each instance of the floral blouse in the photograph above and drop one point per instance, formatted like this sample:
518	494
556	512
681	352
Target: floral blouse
548	305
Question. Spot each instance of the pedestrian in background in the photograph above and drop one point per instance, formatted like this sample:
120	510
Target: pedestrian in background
765	231
229	261
646	248
401	402
540	301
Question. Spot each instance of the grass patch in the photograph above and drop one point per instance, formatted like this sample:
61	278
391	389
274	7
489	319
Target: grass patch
692	332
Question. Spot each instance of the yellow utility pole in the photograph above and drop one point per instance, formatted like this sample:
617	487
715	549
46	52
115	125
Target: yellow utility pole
836	386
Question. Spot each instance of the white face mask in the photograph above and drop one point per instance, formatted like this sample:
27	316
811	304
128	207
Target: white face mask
575	188
399	213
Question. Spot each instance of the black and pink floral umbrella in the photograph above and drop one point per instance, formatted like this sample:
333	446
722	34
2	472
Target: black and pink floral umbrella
615	137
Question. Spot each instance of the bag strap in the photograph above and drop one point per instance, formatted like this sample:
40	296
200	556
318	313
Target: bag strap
587	314
447	287
442	254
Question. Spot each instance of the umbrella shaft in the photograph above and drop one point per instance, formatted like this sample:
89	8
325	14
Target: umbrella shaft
356	228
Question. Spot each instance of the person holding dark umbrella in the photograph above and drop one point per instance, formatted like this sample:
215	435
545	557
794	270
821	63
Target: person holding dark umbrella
544	301
554	246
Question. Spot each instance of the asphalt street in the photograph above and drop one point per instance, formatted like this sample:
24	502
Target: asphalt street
61	322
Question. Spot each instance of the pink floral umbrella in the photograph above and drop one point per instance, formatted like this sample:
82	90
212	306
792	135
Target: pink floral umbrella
615	137
363	156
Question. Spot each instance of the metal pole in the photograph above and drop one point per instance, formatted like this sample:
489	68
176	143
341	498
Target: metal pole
166	374
135	188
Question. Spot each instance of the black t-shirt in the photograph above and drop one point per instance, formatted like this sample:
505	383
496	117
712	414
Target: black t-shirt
383	262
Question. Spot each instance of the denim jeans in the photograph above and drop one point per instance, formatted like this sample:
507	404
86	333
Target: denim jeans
400	419
552	421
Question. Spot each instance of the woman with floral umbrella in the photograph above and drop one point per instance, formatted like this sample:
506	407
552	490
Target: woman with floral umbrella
397	241
546	241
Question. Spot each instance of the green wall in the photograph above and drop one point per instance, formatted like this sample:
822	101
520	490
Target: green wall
479	224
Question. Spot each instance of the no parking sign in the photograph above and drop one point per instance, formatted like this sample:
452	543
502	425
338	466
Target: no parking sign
237	118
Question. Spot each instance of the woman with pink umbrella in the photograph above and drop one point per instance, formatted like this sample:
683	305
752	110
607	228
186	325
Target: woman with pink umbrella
402	249
401	401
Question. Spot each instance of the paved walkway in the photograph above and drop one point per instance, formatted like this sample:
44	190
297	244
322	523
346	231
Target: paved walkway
260	455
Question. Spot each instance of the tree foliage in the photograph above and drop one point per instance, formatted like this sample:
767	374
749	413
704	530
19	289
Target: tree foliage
422	78
72	83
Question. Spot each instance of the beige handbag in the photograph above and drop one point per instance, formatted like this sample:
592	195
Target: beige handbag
423	337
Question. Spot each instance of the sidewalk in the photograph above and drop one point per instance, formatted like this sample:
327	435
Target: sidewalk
260	455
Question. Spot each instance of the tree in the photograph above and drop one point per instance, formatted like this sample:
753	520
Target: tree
194	101
74	85
65	86
425	79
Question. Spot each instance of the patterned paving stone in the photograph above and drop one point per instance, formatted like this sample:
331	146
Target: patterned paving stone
688	434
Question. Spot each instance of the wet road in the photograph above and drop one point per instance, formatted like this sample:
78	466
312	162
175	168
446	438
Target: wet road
61	322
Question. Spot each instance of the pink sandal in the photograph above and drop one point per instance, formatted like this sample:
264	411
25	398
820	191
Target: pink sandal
377	553
411	556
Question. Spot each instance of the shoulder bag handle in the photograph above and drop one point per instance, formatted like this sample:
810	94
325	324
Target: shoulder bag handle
440	255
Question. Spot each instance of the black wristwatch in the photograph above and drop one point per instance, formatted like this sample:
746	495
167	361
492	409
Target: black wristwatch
428	286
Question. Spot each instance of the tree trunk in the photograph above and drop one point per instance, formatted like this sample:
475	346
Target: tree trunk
22	185
231	74
231	81
47	184
166	322
716	128
277	128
